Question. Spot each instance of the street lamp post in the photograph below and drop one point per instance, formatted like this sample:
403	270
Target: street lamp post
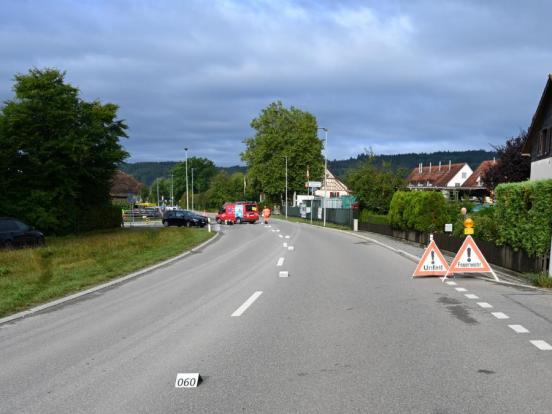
325	169
286	186
172	190
192	189
187	202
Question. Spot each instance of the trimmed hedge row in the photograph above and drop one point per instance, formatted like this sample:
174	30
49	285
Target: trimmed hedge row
523	214
425	211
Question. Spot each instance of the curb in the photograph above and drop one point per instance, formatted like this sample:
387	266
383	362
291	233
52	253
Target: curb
107	285
416	259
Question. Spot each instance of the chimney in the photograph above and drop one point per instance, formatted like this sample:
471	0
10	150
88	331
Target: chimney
494	160
420	167
430	167
439	166
450	164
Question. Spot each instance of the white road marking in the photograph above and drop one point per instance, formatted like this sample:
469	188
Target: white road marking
285	244
291	248
280	236
284	273
519	328
471	296
451	283
500	315
485	305
278	231
280	261
287	237
461	289
542	345
247	303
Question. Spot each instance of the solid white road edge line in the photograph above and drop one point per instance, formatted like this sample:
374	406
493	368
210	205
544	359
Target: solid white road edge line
280	261
519	328
247	303
542	345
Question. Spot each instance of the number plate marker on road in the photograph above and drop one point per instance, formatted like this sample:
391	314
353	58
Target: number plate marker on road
187	380
247	303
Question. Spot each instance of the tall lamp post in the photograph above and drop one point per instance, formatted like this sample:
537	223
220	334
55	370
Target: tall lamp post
286	184
325	169
192	189
187	202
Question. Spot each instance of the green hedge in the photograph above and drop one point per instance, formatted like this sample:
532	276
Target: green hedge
367	216
418	210
524	215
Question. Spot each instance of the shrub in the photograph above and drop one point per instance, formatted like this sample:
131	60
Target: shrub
524	215
418	210
107	217
367	216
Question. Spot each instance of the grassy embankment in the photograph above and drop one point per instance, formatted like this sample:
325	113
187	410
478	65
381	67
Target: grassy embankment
72	263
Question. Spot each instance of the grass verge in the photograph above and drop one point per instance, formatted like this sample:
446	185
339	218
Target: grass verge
542	280
314	222
68	264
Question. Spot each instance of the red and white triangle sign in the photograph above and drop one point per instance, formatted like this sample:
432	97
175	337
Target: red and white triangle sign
469	259
432	263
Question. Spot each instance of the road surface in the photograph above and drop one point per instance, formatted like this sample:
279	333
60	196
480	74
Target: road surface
347	331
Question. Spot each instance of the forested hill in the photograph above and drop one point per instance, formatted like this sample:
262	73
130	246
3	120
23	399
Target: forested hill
147	172
411	160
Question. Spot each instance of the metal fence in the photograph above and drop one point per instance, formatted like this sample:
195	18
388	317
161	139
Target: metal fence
341	216
504	256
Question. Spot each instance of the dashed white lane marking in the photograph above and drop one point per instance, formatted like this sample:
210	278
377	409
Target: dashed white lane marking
280	261
461	289
280	236
500	315
283	273
485	305
287	237
542	345
285	244
291	248
247	303
451	283
519	328
277	230
471	296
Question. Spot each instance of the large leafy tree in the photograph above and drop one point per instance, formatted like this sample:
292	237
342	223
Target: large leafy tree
374	186
204	171
58	152
511	166
282	132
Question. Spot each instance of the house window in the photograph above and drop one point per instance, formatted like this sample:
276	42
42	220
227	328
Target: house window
542	142
457	184
464	175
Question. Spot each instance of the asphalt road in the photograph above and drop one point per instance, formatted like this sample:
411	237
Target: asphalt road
347	331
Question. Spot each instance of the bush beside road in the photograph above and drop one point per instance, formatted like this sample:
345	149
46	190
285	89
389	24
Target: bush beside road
72	263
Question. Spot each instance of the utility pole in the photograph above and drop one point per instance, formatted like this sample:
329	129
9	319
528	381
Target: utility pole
325	170
187	204
192	189
172	190
286	186
157	181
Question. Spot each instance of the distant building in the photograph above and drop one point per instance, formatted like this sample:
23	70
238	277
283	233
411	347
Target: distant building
475	181
439	177
124	185
539	137
335	187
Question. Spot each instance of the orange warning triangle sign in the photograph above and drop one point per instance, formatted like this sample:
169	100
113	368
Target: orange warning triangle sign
469	259
432	263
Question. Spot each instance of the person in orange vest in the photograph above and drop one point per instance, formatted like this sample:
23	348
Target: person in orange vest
266	214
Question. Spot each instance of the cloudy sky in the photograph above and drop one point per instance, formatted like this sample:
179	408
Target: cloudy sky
396	76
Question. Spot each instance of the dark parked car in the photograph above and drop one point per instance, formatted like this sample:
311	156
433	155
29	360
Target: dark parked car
183	218
15	233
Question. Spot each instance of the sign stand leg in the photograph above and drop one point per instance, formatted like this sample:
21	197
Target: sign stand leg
494	275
